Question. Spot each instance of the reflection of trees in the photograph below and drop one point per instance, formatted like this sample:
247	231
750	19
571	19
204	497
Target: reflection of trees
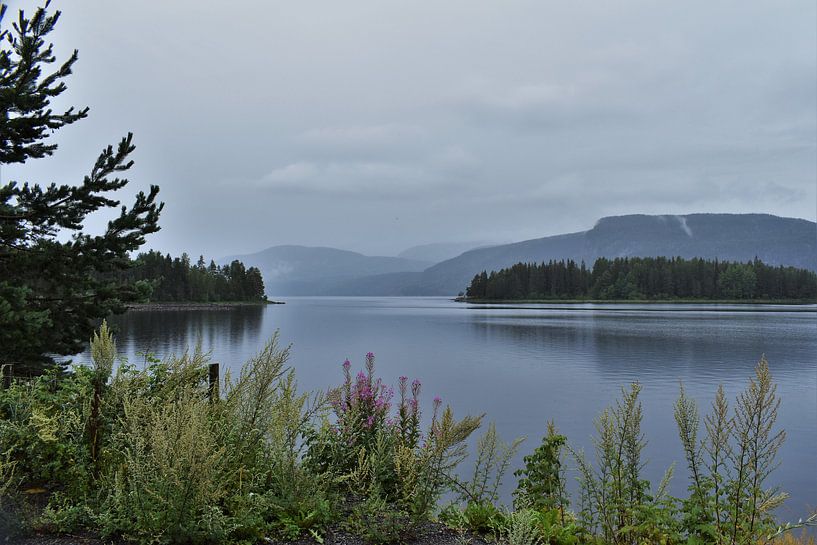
627	344
167	332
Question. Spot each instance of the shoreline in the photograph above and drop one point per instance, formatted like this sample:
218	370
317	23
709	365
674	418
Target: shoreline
191	305
787	302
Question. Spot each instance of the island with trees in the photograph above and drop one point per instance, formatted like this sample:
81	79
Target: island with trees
645	279
164	279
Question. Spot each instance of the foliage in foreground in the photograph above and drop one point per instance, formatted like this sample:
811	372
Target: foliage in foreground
157	455
152	456
730	499
387	458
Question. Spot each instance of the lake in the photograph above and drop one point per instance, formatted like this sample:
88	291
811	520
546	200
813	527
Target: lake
523	365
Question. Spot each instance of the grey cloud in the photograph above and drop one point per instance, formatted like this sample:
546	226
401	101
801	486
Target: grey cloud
349	177
355	137
376	126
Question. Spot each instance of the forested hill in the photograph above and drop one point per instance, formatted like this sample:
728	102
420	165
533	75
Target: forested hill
646	279
728	237
161	278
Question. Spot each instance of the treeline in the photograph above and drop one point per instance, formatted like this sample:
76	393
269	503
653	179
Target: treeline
646	278
162	278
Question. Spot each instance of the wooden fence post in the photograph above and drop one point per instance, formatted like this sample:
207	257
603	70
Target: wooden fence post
212	382
6	371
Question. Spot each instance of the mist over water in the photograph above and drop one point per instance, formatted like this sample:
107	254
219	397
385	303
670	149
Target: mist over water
525	364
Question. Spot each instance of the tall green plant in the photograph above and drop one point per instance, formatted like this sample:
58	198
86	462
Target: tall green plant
542	479
492	462
169	481
8	489
616	500
103	355
729	467
269	420
43	430
174	481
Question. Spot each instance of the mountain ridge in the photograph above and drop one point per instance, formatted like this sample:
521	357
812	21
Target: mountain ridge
310	270
731	237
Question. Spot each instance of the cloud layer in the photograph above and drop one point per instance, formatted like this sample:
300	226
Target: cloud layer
375	125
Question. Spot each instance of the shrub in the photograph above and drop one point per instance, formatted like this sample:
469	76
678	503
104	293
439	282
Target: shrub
728	501
186	465
493	459
8	490
542	481
43	431
557	527
269	421
369	451
522	528
172	481
377	520
482	518
616	501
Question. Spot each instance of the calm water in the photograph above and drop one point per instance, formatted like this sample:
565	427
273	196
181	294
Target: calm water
523	365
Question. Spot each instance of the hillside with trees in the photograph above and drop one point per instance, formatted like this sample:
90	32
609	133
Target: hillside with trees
791	242
646	278
161	278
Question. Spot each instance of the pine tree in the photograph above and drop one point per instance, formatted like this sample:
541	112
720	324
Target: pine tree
53	292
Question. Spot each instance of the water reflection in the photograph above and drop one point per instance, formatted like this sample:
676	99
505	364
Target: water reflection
625	347
167	332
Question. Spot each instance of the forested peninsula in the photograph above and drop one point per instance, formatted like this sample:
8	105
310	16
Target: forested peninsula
647	279
163	279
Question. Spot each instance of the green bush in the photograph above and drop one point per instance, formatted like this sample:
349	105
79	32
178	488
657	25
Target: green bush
379	521
542	481
43	428
173	478
729	500
8	501
617	502
371	452
482	518
521	528
493	459
153	455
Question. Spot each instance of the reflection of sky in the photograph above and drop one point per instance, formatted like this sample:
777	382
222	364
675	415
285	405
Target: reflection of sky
524	366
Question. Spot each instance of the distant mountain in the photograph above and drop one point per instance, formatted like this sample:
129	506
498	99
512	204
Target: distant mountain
733	237
302	270
440	251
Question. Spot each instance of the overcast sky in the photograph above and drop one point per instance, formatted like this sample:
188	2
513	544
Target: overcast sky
377	125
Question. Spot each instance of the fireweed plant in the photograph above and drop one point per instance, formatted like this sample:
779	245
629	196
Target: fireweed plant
379	452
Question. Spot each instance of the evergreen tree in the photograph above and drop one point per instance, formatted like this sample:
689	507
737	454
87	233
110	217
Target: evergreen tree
177	280
52	293
646	278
